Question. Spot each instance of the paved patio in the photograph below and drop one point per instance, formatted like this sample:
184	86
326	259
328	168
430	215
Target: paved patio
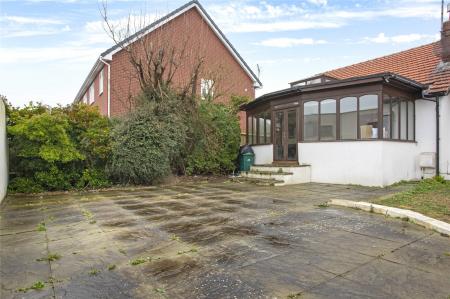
216	240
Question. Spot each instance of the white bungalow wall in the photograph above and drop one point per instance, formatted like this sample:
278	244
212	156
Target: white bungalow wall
445	137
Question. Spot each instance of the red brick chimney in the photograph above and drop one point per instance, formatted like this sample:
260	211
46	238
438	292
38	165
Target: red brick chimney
445	39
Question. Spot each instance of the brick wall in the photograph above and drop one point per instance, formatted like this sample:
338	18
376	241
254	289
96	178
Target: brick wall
190	32
100	100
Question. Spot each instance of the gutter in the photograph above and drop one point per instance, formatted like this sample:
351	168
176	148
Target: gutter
109	86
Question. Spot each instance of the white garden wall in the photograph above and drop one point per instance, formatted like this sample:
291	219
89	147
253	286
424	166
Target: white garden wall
3	153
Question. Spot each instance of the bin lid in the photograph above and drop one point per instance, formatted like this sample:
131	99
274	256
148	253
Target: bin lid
246	149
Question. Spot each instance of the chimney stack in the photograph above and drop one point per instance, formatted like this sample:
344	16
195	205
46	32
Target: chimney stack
445	39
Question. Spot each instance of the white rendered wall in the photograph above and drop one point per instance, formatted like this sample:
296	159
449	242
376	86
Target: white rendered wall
426	131
3	153
400	162
263	154
445	137
368	163
426	126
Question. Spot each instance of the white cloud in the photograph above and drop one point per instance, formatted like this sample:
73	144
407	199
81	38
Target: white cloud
48	54
263	17
38	32
28	20
285	42
281	26
20	26
381	38
318	2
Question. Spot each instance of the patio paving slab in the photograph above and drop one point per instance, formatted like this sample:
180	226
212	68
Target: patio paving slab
216	240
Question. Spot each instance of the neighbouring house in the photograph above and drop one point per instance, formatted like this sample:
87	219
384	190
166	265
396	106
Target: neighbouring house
112	82
372	123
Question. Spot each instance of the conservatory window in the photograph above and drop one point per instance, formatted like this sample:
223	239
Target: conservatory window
328	120
368	116
348	118
311	121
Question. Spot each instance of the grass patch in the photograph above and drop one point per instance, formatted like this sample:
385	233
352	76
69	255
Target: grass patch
139	261
430	197
94	272
323	205
294	296
38	285
41	227
89	216
175	238
111	267
193	250
49	258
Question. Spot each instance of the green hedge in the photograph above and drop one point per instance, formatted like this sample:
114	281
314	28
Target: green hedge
74	147
57	149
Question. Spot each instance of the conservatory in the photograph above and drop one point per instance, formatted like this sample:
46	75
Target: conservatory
360	130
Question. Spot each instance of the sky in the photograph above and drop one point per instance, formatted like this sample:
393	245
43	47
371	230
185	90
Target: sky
47	47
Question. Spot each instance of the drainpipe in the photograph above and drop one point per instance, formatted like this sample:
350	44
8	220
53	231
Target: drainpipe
109	86
437	136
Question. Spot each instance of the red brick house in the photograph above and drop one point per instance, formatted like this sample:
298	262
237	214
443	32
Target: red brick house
111	83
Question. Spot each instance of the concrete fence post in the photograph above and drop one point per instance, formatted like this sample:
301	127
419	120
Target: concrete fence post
3	152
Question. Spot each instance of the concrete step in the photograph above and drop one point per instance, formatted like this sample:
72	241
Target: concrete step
279	176
276	168
259	182
288	174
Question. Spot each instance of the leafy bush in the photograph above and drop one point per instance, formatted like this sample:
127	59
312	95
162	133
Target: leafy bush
52	149
146	143
237	101
75	147
218	136
93	178
24	185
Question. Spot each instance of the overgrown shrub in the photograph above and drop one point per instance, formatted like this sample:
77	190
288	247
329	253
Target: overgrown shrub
52	149
74	147
147	143
218	138
24	185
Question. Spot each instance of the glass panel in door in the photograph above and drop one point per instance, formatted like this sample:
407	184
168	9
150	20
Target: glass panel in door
292	135
278	136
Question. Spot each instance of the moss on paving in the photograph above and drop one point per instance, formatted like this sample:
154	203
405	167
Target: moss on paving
430	197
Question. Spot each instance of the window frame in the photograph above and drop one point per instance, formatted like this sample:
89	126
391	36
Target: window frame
100	83
302	124
91	98
263	114
380	90
207	84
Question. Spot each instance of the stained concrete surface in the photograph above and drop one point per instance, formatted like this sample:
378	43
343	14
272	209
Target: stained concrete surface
216	240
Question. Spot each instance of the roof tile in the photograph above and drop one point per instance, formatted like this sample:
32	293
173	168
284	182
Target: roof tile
418	64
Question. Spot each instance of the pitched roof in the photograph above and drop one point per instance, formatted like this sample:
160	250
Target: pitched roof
184	8
418	64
